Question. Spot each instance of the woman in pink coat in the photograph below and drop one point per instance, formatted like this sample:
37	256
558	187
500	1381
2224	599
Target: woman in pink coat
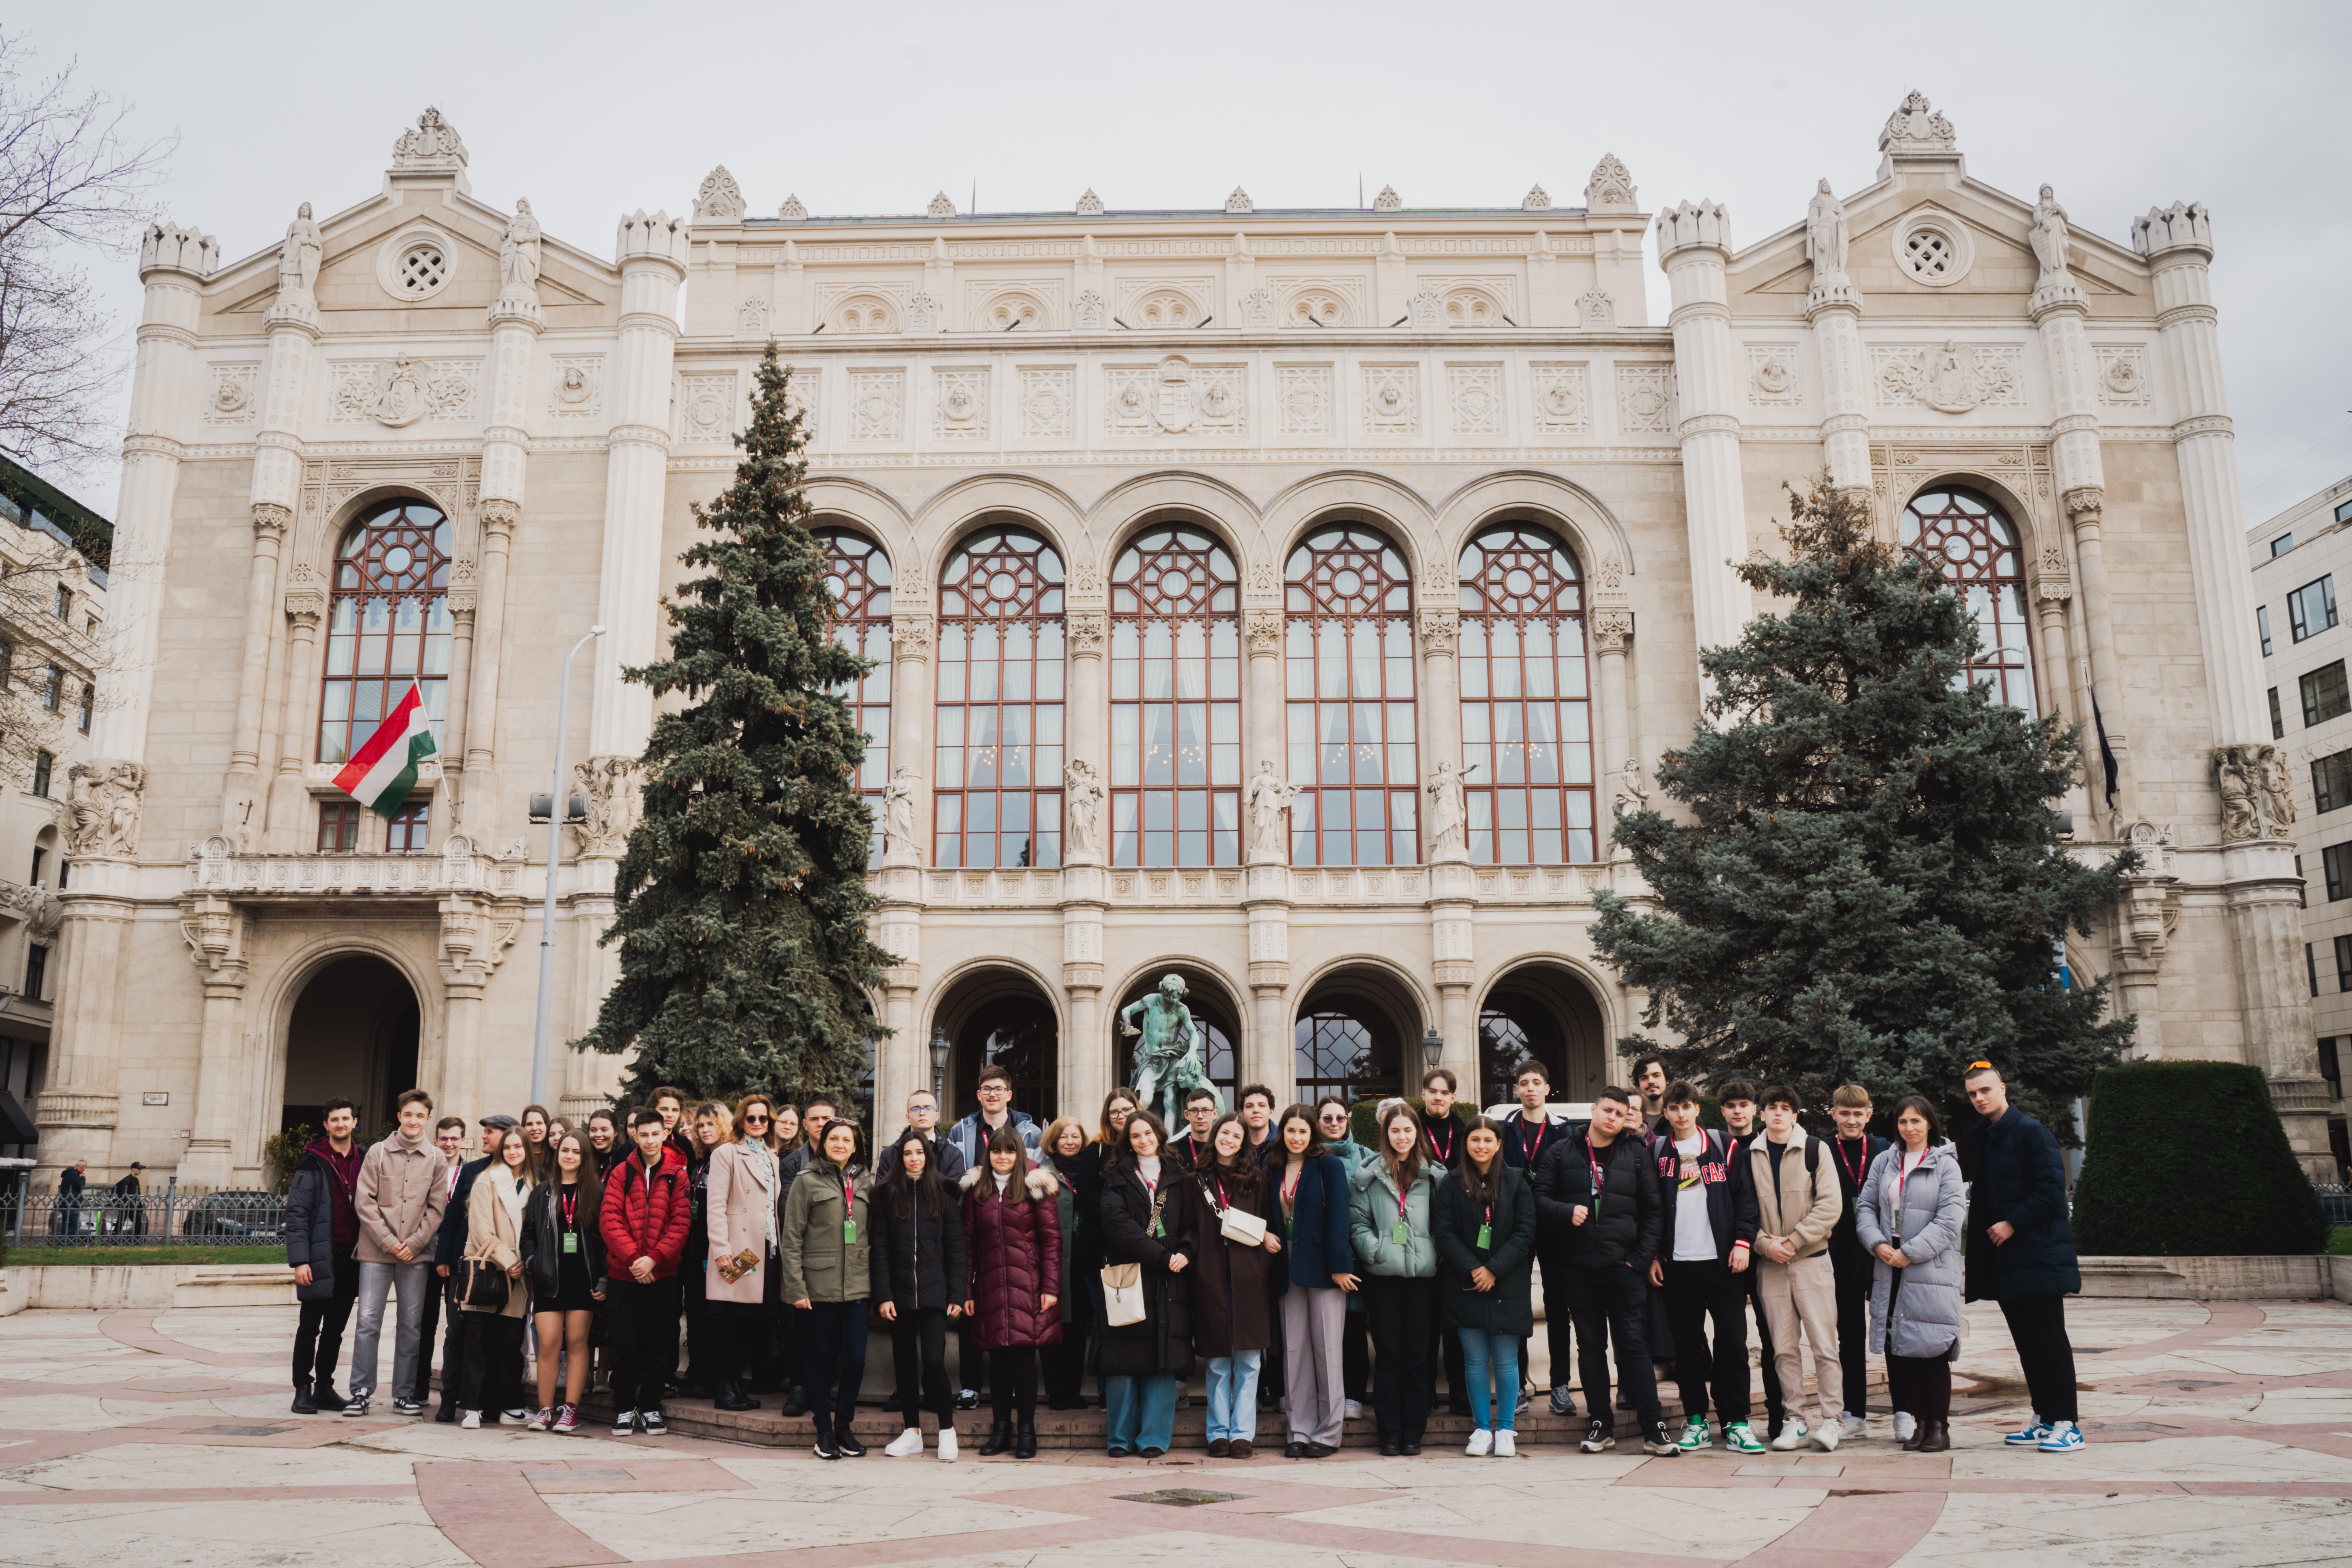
740	1206
1015	1221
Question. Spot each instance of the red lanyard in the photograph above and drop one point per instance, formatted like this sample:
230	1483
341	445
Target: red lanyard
1599	1178
1290	1187
1150	1187
1853	1171
1221	1203
1528	1155
1401	1202
848	1194
571	1207
1445	1151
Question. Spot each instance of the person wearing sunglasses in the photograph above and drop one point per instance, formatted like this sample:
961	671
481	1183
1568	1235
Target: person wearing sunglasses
740	1277
1332	1120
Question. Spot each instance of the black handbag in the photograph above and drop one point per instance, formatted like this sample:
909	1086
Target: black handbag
482	1285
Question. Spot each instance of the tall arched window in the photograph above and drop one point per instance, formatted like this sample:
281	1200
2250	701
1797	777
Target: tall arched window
858	577
1175	702
999	769
387	625
1969	538
1349	647
1527	730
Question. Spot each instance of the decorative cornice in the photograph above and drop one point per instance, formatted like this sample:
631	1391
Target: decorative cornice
639	436
1088	632
1708	425
2176	315
2204	425
271	521
910	636
152	446
165	332
1263	630
1611	629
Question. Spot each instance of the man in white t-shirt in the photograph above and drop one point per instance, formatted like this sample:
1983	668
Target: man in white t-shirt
1701	1264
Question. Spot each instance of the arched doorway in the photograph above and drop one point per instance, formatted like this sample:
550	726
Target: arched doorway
1543	1011
1358	1036
352	1037
1212	1010
1001	1016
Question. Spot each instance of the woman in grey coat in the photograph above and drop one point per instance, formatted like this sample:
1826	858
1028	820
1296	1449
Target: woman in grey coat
1910	1214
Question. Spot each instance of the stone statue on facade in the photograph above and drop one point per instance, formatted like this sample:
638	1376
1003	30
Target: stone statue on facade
298	260
1631	794
1082	798
519	256
1268	799
2050	237
102	810
1168	1058
2257	793
899	811
1449	817
613	805
1825	234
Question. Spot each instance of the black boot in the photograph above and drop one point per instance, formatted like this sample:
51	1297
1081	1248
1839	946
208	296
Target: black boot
303	1404
999	1437
730	1396
1026	1448
797	1402
824	1448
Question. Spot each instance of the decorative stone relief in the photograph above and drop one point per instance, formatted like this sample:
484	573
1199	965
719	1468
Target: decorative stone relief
1256	309
1164	304
1322	303
36	906
1425	311
1302	393
910	632
1441	630
792	211
1611	188
433	143
2257	793
614	805
298	260
1175	397
1388	201
1608	577
1611	628
1474	395
1391	399
1644	398
1082	798
1046	401
1562	403
1089	204
1536	200
1239	202
101	816
231	401
1089	313
706	406
1596	311
1915	127
400	391
720	197
800	396
1949	378
1773	375
578	392
922	313
960	405
1263	630
520	260
898	798
878	404
751	318
991	307
941	206
2122	377
862	310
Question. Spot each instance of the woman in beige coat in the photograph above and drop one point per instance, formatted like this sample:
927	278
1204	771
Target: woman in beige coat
494	1338
740	1208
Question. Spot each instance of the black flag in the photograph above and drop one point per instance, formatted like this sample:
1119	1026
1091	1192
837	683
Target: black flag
2106	753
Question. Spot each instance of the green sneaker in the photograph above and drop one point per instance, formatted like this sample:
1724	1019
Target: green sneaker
1695	1436
1741	1440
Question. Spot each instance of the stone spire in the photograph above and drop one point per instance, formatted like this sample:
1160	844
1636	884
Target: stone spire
1090	204
1611	189
721	199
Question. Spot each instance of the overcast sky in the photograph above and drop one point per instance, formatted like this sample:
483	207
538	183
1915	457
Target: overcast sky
590	108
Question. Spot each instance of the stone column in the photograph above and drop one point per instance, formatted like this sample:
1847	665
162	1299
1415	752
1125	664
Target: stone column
215	934
1834	309
1439	706
1086	717
586	1080
1274	1055
1085	1075
1693	243
911	728
478	605
1617	750
902	1062
497	519
451	1068
290	825
1453	911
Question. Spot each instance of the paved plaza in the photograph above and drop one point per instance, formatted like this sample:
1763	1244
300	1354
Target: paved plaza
2220	1435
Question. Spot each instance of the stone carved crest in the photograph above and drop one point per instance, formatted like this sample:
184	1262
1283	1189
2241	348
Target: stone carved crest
922	313
1239	202
577	385
752	317
1949	378
1045	401
1388	201
1611	188
615	807
102	810
398	393
1391	399
1256	308
431	144
1425	310
1561	403
1915	127
1773	375
1303	393
1089	313
1644	396
1175	398
720	197
1595	310
2257	793
941	206
2123	376
962	403
232	401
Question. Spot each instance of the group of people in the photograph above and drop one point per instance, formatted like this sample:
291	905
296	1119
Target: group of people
1276	1247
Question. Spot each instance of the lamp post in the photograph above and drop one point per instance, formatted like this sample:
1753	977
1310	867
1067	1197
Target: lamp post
1433	1050
555	815
939	1064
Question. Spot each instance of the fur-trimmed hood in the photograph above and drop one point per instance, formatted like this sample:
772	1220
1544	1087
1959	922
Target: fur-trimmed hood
1042	1182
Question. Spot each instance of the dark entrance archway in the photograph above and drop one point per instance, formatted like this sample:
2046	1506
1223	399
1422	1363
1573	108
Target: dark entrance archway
353	1035
1543	1011
1353	1034
1001	1016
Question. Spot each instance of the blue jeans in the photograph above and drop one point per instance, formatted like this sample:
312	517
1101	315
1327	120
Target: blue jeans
1140	1412
1496	1354
1233	1395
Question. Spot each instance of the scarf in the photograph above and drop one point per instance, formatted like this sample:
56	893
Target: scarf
509	1192
763	1162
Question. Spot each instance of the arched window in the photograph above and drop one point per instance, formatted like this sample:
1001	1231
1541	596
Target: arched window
1968	538
1349	647
857	573
387	625
1527	730
999	770
1175	702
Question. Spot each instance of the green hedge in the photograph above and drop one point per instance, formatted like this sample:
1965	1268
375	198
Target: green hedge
2188	1159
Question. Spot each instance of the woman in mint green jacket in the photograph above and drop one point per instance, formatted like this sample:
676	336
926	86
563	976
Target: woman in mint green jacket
1389	1221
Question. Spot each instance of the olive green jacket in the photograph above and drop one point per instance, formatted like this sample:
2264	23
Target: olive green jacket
818	1263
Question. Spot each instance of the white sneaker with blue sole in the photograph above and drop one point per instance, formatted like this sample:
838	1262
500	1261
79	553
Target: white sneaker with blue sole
2035	1431
2064	1438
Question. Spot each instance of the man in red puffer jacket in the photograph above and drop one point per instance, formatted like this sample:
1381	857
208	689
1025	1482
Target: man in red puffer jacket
644	1215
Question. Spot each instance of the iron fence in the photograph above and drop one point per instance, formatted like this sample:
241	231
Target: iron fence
99	1216
2335	1197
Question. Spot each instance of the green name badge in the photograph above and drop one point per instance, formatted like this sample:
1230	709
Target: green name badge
1156	1229
849	1232
1400	1233
571	1241
1486	1236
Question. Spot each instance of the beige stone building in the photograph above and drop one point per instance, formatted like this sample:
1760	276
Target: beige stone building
1284	599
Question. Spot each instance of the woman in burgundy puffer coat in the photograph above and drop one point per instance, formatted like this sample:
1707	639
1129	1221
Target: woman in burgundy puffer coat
1014	1223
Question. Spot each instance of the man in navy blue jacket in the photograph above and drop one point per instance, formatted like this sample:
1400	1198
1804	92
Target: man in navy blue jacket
1707	1228
1527	1132
2020	1253
1849	1262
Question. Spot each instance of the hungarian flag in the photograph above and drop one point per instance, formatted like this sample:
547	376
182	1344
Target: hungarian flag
382	773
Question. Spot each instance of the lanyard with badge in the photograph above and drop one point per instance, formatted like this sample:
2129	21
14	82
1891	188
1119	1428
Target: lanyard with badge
1402	1232
1444	1151
1486	1228
1851	1169
1600	1176
570	1227
1151	1191
1528	1154
1290	1199
848	1210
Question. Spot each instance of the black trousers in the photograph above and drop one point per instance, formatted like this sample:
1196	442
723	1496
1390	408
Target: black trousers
645	1339
970	1365
1558	1319
2037	1325
425	1331
1013	1384
1608	1303
319	1334
1698	1293
1061	1368
1356	1355
703	1336
1776	1410
1922	1385
453	1346
1444	1349
493	1363
1854	1338
918	1353
1402	1312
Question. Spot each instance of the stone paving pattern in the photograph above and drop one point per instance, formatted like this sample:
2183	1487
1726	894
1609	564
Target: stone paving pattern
2220	1435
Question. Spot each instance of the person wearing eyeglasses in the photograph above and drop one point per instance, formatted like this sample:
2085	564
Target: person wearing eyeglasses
739	1273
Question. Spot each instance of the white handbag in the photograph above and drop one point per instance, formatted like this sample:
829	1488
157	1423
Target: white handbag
1122	1286
1245	1228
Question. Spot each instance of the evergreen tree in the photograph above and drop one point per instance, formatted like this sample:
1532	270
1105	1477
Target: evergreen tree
740	906
1871	891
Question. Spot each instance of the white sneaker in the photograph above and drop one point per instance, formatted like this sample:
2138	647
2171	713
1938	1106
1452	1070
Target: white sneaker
910	1441
1506	1444
1906	1424
1826	1436
471	1421
1355	1410
1792	1436
1854	1426
1482	1442
947	1444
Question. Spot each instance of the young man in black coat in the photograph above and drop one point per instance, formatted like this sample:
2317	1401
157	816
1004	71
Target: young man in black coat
449	1137
449	1247
1602	1183
2020	1253
1527	1133
1850	1261
1707	1234
322	1227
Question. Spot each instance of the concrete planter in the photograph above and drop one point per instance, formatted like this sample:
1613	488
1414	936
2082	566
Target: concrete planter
119	1287
2254	1279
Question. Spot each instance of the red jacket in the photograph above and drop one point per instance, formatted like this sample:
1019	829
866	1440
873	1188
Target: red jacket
645	1220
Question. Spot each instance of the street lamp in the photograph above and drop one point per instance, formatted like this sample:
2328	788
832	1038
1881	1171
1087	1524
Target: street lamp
557	800
938	1063
1433	1047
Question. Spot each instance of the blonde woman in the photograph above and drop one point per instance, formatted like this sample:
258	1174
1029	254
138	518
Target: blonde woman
741	1280
713	1124
494	1335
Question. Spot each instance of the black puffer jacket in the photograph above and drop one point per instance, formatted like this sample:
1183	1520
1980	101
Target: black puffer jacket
542	1239
310	1226
1624	1223
924	1261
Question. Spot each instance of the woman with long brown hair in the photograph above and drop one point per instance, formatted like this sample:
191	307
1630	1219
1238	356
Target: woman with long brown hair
1389	1223
1485	1227
564	1258
921	1278
1233	1315
1014	1227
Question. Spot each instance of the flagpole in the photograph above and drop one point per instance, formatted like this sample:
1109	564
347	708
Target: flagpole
555	815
